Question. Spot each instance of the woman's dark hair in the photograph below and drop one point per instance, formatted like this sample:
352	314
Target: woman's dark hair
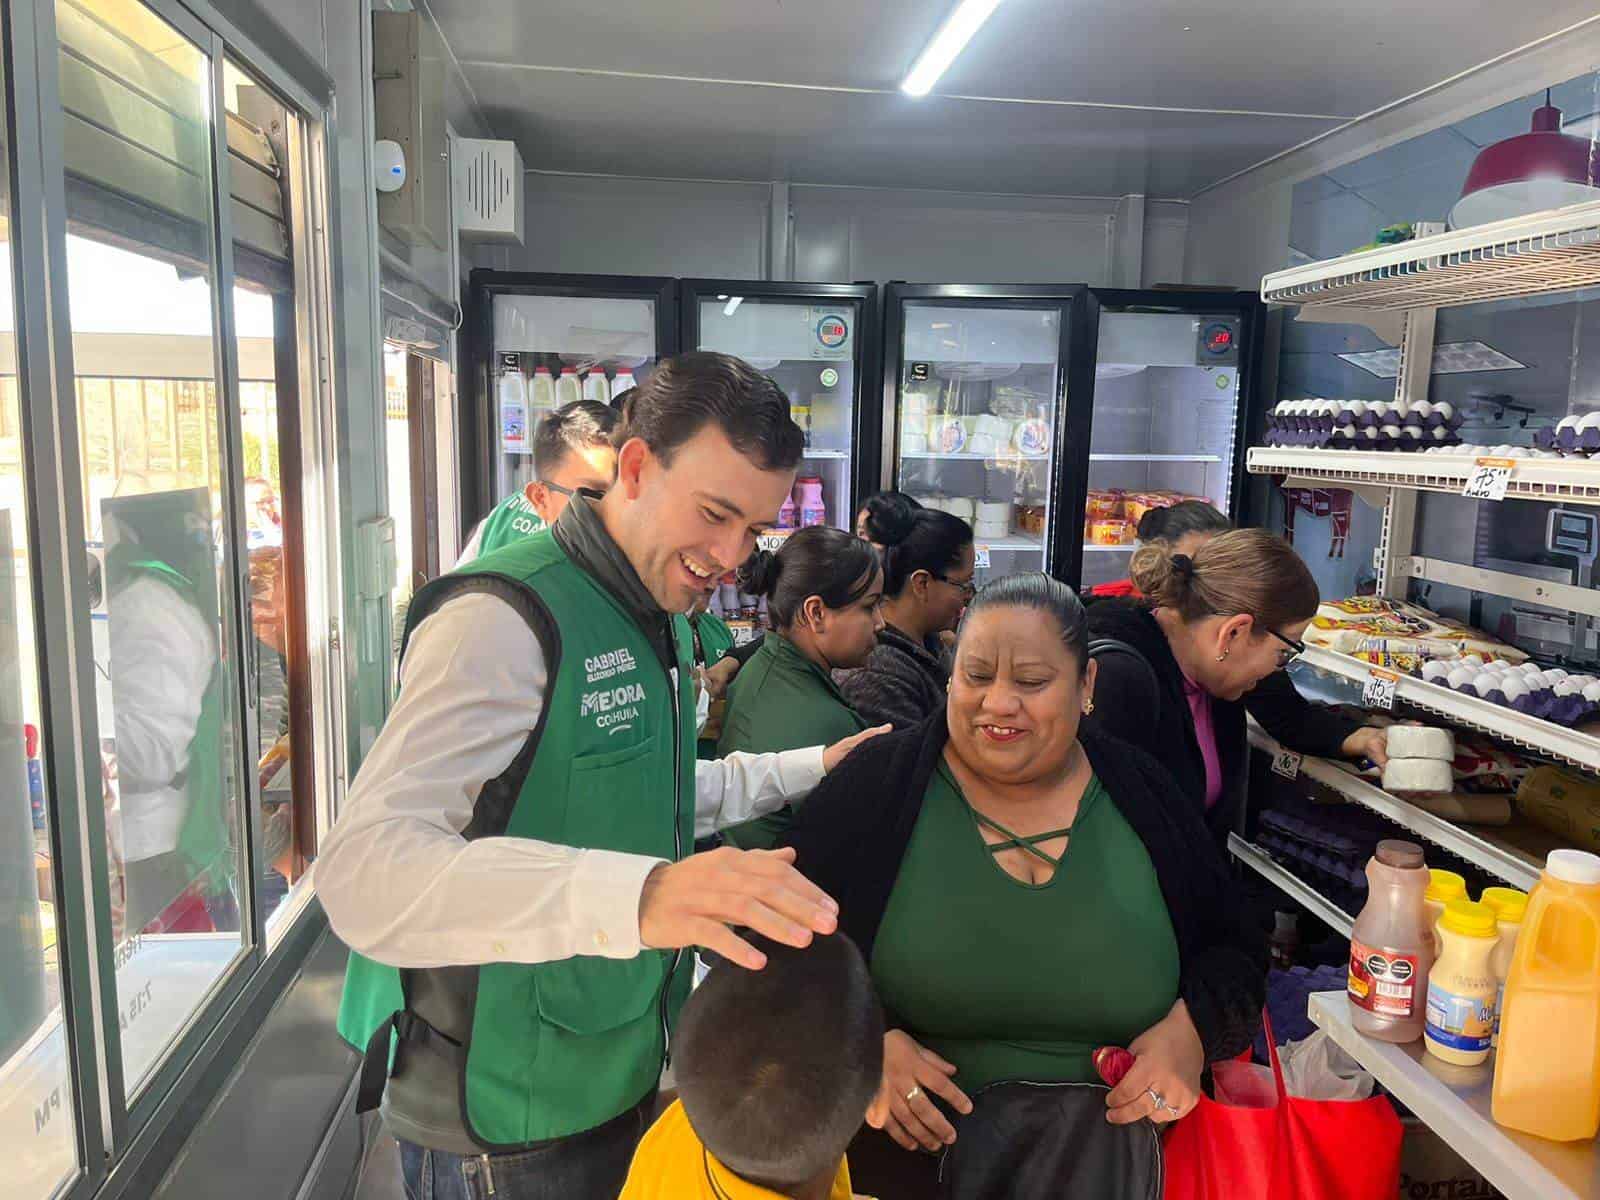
889	516
689	391
930	540
1241	571
1041	592
1179	520
817	561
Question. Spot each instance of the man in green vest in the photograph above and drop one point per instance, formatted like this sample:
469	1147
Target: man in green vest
516	847
572	451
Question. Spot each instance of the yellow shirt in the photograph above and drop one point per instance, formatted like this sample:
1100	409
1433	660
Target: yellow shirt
672	1164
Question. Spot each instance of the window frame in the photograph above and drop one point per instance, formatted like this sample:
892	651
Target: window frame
123	1149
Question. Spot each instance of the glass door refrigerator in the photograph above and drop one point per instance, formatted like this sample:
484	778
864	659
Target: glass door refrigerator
820	342
978	383
1174	374
538	341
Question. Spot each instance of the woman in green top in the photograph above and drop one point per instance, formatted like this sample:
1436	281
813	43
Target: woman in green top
1026	892
823	592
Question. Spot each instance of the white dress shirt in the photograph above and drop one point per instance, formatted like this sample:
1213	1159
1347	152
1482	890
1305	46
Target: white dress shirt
402	886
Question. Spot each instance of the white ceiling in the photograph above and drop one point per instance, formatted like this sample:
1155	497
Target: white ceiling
1063	97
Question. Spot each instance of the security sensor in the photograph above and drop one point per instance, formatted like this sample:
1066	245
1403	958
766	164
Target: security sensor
389	165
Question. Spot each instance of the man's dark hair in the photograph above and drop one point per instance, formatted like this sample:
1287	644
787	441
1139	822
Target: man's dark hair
575	426
690	391
776	1067
1178	520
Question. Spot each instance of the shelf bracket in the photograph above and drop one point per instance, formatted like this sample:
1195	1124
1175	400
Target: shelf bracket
1503	583
1395	543
1416	356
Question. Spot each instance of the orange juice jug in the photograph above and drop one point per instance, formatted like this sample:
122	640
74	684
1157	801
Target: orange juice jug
1547	1068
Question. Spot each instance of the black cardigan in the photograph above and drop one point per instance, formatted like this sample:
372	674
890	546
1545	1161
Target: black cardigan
901	684
1160	723
852	834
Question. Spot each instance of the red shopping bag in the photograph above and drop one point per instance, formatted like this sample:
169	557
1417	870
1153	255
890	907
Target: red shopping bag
1296	1150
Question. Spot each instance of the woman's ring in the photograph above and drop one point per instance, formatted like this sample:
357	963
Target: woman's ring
913	1093
1160	1100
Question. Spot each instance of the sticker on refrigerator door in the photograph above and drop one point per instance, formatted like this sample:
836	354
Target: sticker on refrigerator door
919	372
830	377
833	334
980	558
510	360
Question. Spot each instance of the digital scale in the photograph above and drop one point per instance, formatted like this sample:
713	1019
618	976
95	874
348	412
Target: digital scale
1571	545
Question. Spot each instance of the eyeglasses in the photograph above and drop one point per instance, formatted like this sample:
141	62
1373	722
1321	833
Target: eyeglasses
571	492
1293	649
967	588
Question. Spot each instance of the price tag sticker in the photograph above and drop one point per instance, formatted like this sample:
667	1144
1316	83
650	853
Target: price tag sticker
980	558
772	541
1286	763
1489	478
1379	690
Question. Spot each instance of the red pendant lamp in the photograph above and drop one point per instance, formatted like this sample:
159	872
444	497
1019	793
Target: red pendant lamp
1529	173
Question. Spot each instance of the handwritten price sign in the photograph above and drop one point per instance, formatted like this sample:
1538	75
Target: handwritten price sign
1286	763
1379	690
1489	479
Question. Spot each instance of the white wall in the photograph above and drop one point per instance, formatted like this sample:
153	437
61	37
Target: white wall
1239	229
620	226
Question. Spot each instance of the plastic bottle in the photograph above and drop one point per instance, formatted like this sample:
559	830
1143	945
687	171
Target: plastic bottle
1390	950
568	389
812	509
1461	986
622	381
543	392
595	386
1509	907
1443	887
789	514
515	435
1547	1072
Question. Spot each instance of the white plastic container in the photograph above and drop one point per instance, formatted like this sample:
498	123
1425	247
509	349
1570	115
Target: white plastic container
1462	986
1509	906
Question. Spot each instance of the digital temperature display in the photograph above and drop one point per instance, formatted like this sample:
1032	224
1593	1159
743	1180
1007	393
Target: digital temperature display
1218	344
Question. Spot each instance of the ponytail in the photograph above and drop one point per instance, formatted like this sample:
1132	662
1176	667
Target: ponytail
1241	571
817	561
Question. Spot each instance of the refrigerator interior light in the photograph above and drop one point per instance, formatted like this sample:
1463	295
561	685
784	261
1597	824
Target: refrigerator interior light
732	305
964	21
1542	169
1452	358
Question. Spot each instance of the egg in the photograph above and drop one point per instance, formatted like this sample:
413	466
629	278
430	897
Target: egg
1461	678
1444	410
1436	670
1590	421
1422	410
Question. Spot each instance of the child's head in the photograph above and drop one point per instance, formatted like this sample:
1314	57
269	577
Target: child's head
776	1067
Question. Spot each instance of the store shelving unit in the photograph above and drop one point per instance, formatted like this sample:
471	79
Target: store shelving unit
1463	708
1286	881
1013	541
1570	481
1091	547
1479	847
968	456
1455	1103
1541	254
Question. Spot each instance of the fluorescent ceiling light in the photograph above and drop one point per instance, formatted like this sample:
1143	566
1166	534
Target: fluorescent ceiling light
1452	358
733	306
953	35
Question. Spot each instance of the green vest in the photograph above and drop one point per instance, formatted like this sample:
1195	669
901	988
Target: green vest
712	641
509	522
556	1048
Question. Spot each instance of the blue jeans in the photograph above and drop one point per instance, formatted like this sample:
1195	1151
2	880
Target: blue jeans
588	1166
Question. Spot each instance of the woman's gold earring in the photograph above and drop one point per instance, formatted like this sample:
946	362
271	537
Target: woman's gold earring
1222	657
1088	706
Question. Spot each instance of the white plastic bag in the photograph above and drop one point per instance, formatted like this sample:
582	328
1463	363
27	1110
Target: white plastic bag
1318	1069
1313	1069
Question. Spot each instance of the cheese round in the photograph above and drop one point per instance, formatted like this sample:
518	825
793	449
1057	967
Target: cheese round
1416	774
1421	741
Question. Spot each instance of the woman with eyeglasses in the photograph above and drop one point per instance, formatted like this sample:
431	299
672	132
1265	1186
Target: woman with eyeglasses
1177	665
823	591
928	567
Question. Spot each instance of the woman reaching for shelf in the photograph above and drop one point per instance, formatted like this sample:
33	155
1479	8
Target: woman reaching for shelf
1206	641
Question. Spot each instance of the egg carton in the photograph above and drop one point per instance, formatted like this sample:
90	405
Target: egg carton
1363	425
1547	694
1572	437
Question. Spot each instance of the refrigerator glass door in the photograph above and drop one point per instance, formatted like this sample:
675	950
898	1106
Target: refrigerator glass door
1166	404
979	388
809	346
550	350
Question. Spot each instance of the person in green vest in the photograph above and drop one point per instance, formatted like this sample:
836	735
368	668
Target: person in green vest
572	451
824	590
512	867
715	668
